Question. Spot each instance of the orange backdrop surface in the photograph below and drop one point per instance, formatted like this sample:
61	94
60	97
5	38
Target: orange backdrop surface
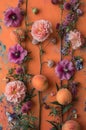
52	13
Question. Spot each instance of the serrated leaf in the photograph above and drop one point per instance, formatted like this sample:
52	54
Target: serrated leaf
54	112
67	108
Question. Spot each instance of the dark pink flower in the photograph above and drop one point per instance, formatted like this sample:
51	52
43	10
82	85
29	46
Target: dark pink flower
65	69
26	107
17	54
19	70
13	17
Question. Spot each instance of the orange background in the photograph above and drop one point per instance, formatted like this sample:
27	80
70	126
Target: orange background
52	13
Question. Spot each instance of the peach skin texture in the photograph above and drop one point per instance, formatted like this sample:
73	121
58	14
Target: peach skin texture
53	14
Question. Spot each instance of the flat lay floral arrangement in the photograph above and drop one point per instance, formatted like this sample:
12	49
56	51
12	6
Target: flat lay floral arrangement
18	95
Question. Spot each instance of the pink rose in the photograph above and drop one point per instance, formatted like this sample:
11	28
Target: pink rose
41	29
15	91
76	39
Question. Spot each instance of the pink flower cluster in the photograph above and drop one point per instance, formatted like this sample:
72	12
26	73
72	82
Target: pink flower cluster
15	92
41	29
76	39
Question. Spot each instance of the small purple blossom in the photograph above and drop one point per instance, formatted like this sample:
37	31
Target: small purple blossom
70	17
17	54
26	107
13	17
19	70
73	1
64	69
65	23
20	1
67	6
54	1
50	63
79	12
73	88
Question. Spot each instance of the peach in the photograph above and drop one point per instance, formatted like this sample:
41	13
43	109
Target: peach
40	82
71	125
64	96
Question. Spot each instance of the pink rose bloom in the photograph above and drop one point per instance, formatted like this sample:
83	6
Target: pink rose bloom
76	39
41	29
15	91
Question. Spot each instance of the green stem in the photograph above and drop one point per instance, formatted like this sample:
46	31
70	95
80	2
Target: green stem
61	59
40	58
39	93
26	16
40	108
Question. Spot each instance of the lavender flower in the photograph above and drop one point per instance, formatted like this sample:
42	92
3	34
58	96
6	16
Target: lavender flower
67	5
73	88
13	17
70	17
64	69
79	12
17	54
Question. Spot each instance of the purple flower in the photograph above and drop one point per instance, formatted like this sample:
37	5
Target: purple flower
54	1
16	54
70	17
65	69
26	107
20	1
13	17
19	70
73	88
67	5
74	1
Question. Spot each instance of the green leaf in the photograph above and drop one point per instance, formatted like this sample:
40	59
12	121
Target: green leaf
56	103
66	108
61	6
53	123
10	71
29	24
54	112
67	29
64	86
1	97
57	87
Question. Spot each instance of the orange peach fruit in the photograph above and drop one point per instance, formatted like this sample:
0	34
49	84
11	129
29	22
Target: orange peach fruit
71	125
40	82
64	96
